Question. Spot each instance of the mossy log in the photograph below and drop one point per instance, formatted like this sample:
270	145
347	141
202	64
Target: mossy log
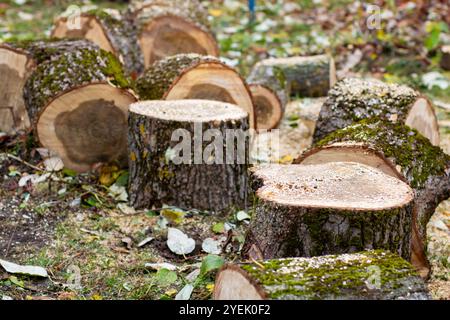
193	76
168	27
110	32
398	151
331	208
352	100
310	76
368	275
17	61
173	161
78	104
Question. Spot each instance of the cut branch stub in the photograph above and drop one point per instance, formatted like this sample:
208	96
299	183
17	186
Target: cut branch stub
368	275
78	105
174	161
352	100
192	76
309	76
17	62
398	151
268	107
171	27
110	32
339	207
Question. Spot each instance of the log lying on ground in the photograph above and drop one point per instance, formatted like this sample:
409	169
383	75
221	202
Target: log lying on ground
17	62
445	59
352	100
339	207
110	32
309	76
368	275
268	107
78	105
398	151
192	76
171	164
168	27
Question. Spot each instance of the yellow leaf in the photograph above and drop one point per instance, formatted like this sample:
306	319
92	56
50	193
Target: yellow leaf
170	292
215	12
173	215
210	287
96	297
286	159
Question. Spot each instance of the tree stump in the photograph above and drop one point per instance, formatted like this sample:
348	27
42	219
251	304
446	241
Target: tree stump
268	107
17	62
352	99
398	151
368	275
172	160
192	76
340	207
309	76
110	32
170	27
78	106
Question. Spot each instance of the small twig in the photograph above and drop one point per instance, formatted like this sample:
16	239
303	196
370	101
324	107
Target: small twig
10	241
23	162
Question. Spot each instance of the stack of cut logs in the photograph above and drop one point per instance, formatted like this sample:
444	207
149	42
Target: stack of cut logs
340	222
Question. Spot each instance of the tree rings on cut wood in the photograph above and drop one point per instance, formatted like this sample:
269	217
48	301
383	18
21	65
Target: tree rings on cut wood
109	31
310	76
171	27
398	151
352	99
192	76
188	153
268	107
338	207
78	106
368	275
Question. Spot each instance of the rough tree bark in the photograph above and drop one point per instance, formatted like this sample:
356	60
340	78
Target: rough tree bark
192	76
78	104
399	151
368	275
309	76
341	207
168	27
352	100
110	32
173	161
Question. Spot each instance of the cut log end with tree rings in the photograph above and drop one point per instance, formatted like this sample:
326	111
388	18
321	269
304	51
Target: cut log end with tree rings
353	99
268	107
192	76
192	154
167	28
309	210
369	275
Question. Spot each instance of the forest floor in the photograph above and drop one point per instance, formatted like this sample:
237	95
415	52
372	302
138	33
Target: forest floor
79	228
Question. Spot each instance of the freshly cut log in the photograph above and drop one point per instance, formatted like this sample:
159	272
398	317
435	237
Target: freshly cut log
17	62
192	76
338	207
352	99
368	275
310	76
267	105
445	59
110	32
173	161
168	27
398	151
78	106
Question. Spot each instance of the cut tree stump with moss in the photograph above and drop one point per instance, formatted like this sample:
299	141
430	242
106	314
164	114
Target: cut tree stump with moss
169	27
188	153
268	107
367	275
17	61
331	208
78	105
192	76
109	31
310	76
353	99
398	151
